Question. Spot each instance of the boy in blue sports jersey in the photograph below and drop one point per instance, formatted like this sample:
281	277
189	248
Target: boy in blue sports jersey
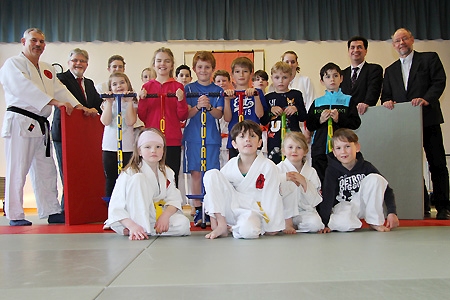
254	107
203	65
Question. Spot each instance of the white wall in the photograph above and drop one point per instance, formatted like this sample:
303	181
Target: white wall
312	56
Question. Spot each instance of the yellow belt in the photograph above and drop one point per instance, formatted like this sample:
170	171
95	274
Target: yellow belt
266	218
159	208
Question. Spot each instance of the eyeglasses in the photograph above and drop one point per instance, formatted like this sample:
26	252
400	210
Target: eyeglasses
81	61
404	39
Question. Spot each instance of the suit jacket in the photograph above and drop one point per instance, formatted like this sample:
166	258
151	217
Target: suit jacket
93	99
426	80
367	87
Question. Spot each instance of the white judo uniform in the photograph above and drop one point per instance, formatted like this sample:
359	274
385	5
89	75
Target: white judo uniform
298	204
251	204
30	89
134	197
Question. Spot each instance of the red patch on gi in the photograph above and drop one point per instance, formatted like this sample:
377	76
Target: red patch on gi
167	183
260	181
48	74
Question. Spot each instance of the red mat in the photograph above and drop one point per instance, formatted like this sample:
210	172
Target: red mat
98	227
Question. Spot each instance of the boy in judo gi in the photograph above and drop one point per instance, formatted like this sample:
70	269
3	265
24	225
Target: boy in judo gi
244	197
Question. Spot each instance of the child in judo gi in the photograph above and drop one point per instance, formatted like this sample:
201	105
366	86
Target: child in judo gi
300	186
244	195
145	200
354	189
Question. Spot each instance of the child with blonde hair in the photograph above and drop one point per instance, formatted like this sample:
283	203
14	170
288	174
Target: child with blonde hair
165	112
119	83
145	200
300	186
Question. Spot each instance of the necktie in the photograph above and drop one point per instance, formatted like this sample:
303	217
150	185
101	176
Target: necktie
354	75
79	80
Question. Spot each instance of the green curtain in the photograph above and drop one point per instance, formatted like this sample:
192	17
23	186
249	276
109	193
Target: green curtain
162	20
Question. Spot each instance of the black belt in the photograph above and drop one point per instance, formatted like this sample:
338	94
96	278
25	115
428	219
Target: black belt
43	123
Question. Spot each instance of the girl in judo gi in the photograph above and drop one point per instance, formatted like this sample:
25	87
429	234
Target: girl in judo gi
145	200
118	84
300	186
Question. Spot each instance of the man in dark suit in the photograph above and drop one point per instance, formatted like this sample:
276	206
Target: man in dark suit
419	78
362	80
83	89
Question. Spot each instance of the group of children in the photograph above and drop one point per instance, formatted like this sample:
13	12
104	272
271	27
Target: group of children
252	194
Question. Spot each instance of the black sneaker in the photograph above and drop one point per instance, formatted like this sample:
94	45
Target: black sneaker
442	215
56	219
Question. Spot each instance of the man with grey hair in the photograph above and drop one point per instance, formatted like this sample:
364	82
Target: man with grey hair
31	89
419	78
81	88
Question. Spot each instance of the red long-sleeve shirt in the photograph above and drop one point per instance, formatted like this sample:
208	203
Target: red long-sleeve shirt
174	111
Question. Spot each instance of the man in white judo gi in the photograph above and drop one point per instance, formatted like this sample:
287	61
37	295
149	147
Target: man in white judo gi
31	89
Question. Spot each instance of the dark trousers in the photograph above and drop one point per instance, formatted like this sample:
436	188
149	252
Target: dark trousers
58	151
111	170
433	145
320	163
173	160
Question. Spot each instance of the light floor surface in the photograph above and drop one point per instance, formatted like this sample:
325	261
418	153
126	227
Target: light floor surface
407	263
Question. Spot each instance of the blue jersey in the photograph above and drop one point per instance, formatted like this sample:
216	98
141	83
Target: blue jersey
248	110
192	131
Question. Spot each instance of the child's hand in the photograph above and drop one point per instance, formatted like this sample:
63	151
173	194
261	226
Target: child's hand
276	110
180	94
325	230
203	101
324	116
297	178
290	110
392	221
137	232
162	225
127	99
250	92
334	114
142	94
229	93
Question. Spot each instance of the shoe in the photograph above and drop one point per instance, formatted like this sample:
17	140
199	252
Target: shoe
442	215
56	219
22	222
198	217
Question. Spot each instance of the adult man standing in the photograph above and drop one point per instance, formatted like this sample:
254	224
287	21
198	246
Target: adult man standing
82	89
362	80
419	78
31	89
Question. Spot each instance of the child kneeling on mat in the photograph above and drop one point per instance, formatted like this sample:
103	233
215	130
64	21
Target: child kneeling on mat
353	188
145	200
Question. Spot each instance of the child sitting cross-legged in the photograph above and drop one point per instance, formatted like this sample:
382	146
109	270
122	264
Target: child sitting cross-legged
244	195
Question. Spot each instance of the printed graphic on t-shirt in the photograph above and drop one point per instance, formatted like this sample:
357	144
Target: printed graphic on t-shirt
248	103
349	185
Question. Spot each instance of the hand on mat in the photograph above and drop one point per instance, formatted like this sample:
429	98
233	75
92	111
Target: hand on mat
392	221
137	232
